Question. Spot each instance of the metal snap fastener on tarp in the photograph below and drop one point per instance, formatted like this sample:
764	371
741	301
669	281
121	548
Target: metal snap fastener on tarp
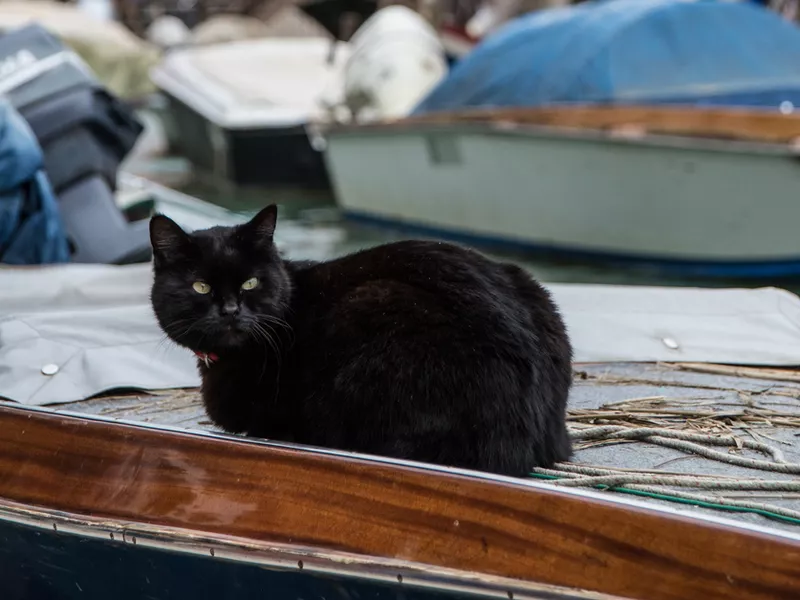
670	343
49	369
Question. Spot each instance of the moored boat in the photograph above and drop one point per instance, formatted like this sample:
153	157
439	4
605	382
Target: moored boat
110	470
686	191
672	147
241	110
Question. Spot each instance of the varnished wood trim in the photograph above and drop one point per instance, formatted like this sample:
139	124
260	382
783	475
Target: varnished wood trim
286	496
718	123
287	557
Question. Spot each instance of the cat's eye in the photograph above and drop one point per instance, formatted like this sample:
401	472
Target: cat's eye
201	287
250	284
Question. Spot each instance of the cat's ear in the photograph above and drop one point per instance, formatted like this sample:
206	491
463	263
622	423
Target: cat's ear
263	224
166	236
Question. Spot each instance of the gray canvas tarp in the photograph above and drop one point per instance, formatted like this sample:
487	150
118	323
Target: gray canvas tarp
71	332
94	324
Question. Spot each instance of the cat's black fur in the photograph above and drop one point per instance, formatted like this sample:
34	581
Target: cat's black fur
418	350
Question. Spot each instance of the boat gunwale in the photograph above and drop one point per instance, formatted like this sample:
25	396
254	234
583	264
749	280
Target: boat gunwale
548	133
722	129
634	546
433	469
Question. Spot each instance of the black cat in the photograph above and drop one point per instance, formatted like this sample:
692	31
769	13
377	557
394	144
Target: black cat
420	350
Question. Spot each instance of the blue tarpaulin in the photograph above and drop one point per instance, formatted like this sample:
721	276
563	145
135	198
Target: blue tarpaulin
700	52
31	231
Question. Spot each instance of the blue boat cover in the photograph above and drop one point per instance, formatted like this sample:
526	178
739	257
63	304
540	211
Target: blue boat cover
700	52
31	231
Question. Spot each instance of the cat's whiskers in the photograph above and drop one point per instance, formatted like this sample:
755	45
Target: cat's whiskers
269	320
255	334
265	322
202	337
276	333
163	344
162	348
174	336
177	336
276	321
260	329
180	323
265	335
171	337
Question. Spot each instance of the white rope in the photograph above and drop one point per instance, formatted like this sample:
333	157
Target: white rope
689	481
652	483
680	440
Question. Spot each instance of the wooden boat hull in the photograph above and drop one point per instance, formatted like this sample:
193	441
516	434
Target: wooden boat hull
323	518
571	189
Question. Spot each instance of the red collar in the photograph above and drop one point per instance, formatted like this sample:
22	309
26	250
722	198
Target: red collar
207	358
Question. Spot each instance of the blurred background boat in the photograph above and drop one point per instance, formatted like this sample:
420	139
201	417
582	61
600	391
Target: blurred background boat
638	132
241	110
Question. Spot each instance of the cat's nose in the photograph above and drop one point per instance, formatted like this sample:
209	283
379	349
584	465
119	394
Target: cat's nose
230	309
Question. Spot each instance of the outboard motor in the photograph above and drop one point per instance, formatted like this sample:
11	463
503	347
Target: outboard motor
84	132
